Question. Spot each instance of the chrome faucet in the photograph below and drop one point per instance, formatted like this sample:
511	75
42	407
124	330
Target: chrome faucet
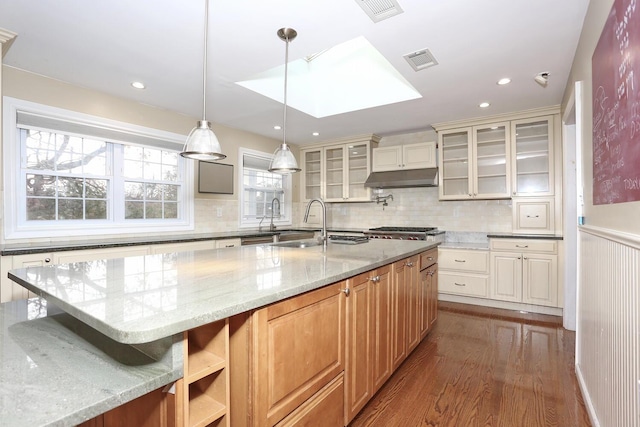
271	226
323	236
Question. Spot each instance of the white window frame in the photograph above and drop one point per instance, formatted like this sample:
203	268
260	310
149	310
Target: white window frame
286	208
11	150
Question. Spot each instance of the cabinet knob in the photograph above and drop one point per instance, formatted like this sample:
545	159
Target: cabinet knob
430	258
47	260
375	279
519	258
524	258
346	291
409	264
514	193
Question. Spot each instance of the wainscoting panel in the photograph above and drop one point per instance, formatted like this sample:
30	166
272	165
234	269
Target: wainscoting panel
607	336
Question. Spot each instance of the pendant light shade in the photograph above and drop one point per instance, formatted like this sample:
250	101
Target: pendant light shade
283	161
202	143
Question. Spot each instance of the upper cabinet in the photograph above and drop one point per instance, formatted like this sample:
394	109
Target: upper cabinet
474	162
532	156
336	172
499	157
403	157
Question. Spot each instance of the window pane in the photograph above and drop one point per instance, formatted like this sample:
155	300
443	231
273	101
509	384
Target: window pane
152	171
41	209
70	187
153	210
41	185
169	173
171	210
96	209
70	209
132	152
132	169
133	190
134	210
96	188
171	192
154	191
170	158
152	155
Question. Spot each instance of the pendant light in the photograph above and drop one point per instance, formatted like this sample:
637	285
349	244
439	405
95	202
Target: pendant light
283	161
202	143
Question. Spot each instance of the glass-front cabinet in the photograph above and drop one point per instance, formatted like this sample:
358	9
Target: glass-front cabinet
336	172
532	156
474	162
312	175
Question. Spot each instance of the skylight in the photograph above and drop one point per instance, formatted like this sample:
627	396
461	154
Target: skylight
349	77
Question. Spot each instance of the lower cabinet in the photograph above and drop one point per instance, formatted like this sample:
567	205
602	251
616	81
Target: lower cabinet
368	362
429	291
524	271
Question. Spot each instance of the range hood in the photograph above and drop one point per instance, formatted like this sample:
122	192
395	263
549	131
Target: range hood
403	178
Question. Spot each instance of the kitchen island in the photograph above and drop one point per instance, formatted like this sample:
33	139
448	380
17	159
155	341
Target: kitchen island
148	299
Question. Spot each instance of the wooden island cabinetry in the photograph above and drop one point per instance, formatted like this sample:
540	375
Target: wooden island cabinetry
318	358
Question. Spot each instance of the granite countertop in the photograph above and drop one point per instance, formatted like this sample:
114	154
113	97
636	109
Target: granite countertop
144	298
57	371
22	248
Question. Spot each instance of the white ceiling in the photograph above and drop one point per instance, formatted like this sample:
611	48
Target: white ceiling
105	45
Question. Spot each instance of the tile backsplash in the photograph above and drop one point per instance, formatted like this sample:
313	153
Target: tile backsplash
410	207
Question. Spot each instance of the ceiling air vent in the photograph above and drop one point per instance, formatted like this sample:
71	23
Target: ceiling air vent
421	59
380	9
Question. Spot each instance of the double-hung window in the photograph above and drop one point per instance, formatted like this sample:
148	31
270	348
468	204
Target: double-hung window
69	174
264	195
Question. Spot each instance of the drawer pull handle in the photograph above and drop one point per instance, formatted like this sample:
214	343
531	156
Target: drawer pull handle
459	284
522	246
533	216
461	260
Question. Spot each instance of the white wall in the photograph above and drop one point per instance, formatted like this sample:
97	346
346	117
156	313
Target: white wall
608	349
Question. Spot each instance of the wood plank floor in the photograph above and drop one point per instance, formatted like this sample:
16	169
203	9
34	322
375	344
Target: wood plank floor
484	367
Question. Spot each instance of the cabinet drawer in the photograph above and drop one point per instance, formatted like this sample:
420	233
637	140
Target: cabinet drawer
464	260
524	245
428	258
463	284
533	215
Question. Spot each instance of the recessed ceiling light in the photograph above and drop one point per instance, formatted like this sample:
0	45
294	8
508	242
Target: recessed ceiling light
504	81
484	105
315	133
138	85
277	127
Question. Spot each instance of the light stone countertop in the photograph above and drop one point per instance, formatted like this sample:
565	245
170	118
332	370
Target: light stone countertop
145	298
56	371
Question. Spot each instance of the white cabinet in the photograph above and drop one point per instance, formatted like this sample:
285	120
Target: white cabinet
463	272
336	171
533	215
399	157
474	162
532	157
10	290
524	270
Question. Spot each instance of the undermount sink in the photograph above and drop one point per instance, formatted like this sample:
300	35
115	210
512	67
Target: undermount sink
297	244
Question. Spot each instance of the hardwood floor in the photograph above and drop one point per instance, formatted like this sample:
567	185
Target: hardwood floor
484	368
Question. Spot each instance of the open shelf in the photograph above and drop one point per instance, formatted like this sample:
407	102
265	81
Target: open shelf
207	399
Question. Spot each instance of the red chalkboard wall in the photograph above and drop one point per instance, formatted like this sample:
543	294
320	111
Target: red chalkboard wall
616	107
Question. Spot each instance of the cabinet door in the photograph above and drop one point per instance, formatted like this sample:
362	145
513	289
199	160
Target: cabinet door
490	160
387	158
540	279
357	172
312	176
412	278
433	298
398	314
418	156
358	378
532	156
506	276
10	290
381	327
429	290
455	165
298	348
334	173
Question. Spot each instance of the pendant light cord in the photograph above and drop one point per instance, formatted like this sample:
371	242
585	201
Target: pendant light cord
204	65
286	73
